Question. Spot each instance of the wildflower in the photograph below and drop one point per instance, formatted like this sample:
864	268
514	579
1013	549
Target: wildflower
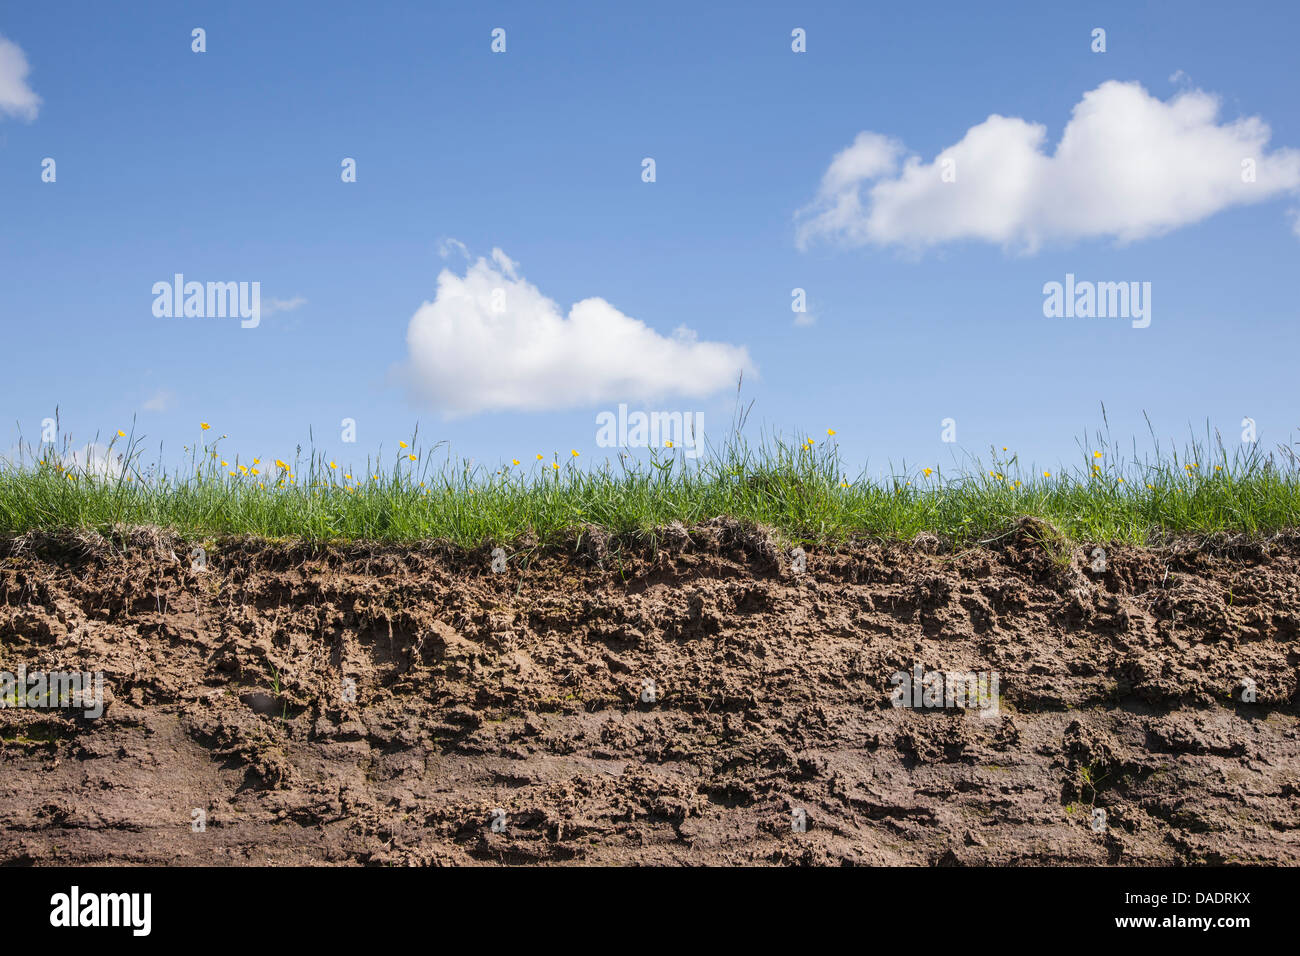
257	461
845	484
410	457
831	432
539	457
280	464
244	469
514	461
668	444
1217	468
225	464
204	425
574	452
347	477
1047	474
555	466
1096	454
1151	486
1015	484
1121	481
927	472
256	472
120	433
332	465
402	444
232	474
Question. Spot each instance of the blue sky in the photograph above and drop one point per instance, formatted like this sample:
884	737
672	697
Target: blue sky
225	166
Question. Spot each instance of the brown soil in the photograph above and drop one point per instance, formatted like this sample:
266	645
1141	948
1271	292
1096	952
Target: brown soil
521	691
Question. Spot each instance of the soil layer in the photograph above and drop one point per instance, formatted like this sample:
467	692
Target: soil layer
709	699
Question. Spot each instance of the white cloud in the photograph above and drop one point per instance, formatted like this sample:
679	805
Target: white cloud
1128	166
16	97
159	401
282	305
490	341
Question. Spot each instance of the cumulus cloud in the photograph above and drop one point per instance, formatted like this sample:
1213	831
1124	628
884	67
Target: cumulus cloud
491	341
1128	166
16	97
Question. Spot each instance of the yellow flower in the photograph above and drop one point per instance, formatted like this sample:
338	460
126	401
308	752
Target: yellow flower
332	465
402	444
1151	486
1096	454
1121	481
668	444
574	453
225	464
1217	468
1047	474
204	425
257	461
1015	484
120	433
555	466
411	457
927	472
347	477
845	484
539	457
256	472
830	431
514	461
232	474
244	469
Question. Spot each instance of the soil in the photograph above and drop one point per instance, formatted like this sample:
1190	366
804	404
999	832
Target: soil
708	698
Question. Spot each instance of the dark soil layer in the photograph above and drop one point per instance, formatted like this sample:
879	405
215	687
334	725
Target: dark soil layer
358	704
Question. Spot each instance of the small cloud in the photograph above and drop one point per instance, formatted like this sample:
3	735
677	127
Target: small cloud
491	341
273	306
16	97
1128	166
159	401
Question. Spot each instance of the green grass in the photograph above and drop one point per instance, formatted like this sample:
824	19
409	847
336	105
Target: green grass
801	490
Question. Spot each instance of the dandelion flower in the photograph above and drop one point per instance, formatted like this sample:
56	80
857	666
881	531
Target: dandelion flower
204	425
927	472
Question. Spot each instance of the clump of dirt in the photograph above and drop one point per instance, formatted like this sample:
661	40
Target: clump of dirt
705	695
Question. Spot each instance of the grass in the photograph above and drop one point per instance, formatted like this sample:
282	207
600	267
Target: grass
801	489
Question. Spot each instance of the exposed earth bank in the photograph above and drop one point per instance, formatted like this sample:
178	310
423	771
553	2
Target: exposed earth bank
712	699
